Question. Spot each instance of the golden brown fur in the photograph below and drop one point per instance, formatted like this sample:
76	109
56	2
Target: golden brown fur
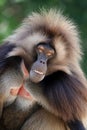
50	122
71	100
51	26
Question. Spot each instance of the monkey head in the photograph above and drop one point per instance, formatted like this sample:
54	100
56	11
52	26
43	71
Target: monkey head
51	43
39	68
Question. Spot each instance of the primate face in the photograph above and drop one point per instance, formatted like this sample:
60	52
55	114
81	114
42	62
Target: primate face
44	53
51	44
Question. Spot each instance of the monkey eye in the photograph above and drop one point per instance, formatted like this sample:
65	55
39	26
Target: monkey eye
50	53
46	49
40	48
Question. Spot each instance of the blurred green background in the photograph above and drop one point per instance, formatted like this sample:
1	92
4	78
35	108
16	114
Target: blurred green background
13	11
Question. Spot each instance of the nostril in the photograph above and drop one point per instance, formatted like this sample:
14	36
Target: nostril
40	61
43	62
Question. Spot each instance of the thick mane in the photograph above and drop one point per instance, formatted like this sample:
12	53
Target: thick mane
62	33
52	24
66	94
70	89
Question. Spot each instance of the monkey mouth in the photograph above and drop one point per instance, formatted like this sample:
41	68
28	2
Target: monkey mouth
38	72
36	76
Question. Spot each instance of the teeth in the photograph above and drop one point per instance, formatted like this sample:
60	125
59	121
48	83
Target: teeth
36	71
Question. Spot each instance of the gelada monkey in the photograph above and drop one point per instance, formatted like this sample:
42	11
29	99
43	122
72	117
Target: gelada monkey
47	47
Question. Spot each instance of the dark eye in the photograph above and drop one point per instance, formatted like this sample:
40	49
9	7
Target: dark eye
45	48
50	53
40	48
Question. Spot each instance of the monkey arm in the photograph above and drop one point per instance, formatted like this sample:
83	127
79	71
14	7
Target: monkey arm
13	116
11	75
4	49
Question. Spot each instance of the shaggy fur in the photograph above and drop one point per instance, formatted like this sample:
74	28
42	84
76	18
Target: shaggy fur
62	94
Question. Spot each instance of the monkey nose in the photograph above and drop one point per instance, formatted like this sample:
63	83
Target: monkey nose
42	62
